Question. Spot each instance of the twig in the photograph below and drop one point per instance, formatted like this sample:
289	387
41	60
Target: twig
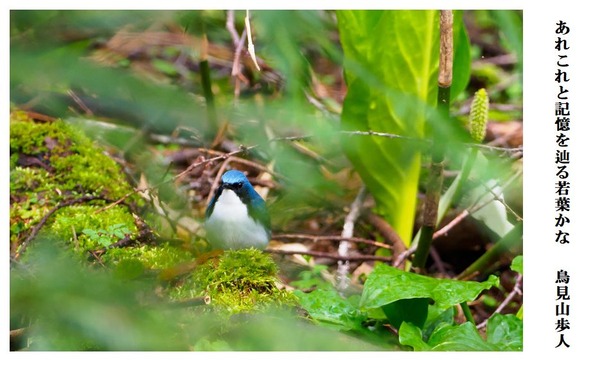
197	301
238	44
80	102
196	164
446	228
215	184
236	68
500	149
385	135
437	260
230	24
332	238
496	197
516	290
250	43
388	232
348	229
334	256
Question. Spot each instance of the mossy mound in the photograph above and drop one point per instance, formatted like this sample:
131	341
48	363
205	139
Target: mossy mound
240	281
54	163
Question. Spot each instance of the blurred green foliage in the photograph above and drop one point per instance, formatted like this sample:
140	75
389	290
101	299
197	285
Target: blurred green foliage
60	66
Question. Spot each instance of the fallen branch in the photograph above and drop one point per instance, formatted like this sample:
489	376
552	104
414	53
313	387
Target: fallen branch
331	238
334	256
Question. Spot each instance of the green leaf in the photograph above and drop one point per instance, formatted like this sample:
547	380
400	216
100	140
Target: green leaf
391	63
410	335
461	66
517	264
407	310
329	308
446	337
463	337
90	233
104	241
388	284
394	49
505	332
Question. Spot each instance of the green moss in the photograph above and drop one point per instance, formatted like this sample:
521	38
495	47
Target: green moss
75	163
151	257
241	281
54	162
71	223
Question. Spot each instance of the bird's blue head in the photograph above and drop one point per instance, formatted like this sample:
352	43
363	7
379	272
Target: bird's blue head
237	216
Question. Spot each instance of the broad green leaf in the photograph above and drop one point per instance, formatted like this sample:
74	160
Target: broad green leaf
391	61
388	284
410	335
446	337
435	317
463	337
407	310
505	332
461	67
329	308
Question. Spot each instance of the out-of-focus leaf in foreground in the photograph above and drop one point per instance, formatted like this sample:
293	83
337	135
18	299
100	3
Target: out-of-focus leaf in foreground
71	307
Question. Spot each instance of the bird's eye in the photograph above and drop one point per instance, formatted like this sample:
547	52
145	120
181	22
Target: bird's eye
237	185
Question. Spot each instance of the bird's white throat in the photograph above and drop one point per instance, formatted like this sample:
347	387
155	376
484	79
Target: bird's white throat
231	227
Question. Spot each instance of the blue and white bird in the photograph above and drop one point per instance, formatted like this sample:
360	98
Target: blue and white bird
237	216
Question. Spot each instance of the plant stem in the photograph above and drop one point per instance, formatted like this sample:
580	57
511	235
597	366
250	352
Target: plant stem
467	312
434	186
480	265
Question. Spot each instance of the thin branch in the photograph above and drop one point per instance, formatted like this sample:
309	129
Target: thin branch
215	184
334	256
348	229
516	290
230	24
250	43
331	238
385	135
518	150
446	228
196	164
197	301
388	232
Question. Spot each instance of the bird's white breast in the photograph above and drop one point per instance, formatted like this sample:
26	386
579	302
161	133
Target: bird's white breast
231	227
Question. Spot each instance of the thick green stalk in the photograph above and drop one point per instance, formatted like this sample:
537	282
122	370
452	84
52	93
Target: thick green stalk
481	265
434	186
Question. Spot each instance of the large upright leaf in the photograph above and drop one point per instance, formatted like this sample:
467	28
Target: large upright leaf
391	66
388	284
